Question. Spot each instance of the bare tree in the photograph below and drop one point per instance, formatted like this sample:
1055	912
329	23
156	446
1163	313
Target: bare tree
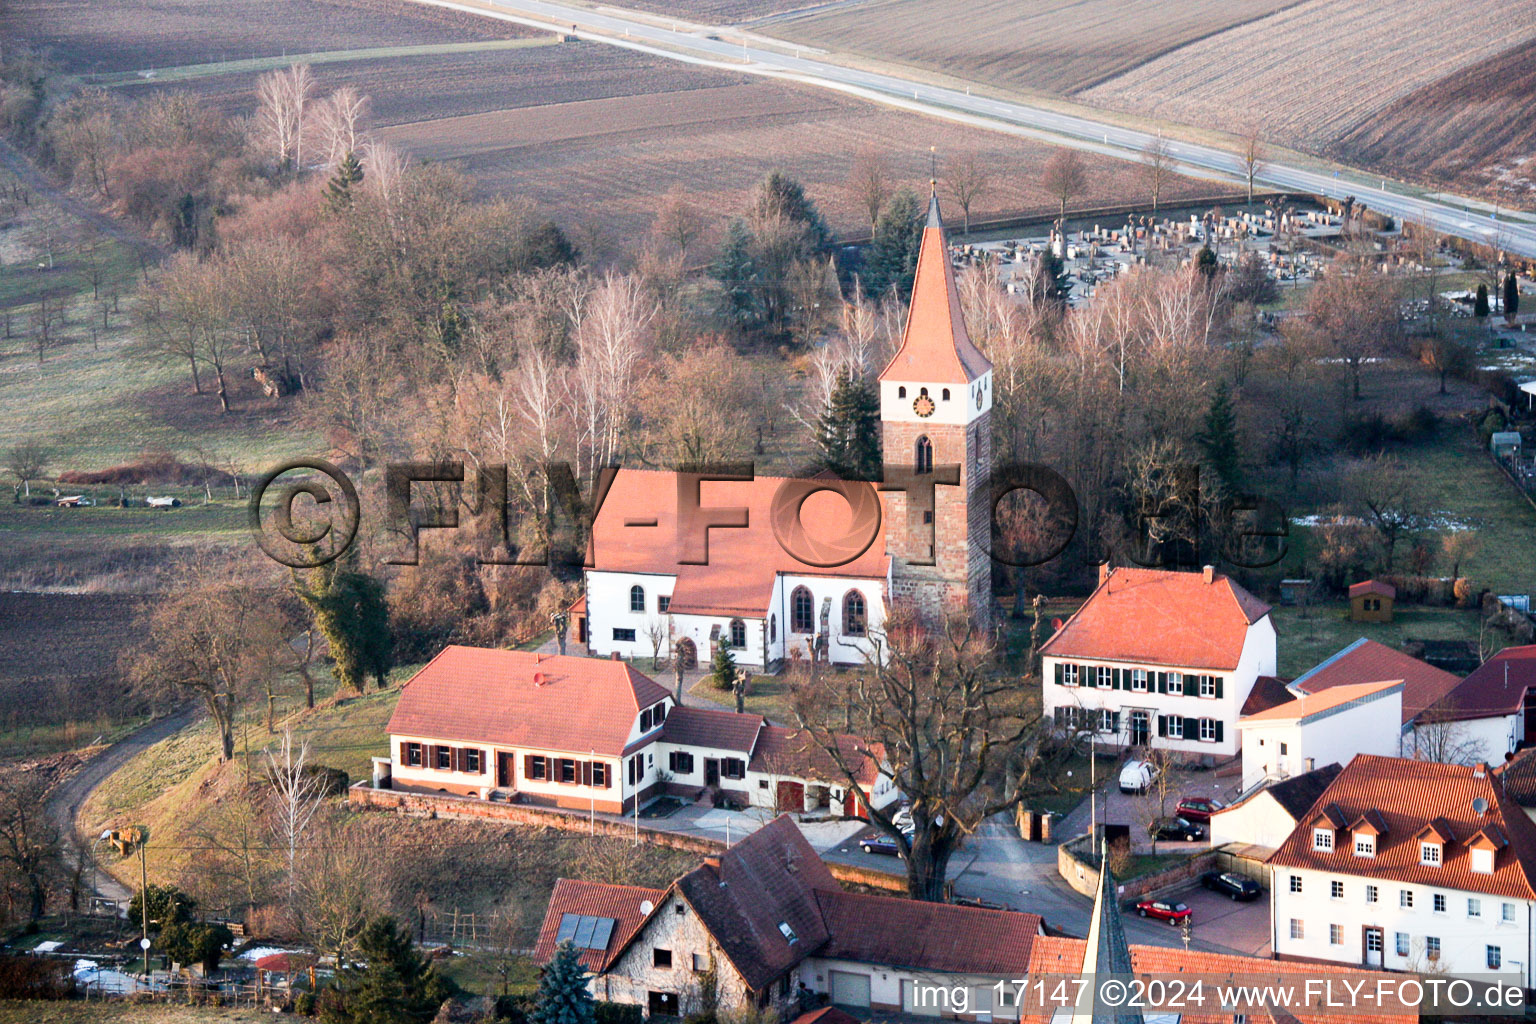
958	740
1439	737
30	844
283	96
678	223
27	461
1157	167
338	124
1354	310
1385	495
297	796
1065	176
1458	546
1252	158
966	179
657	631
337	889
870	182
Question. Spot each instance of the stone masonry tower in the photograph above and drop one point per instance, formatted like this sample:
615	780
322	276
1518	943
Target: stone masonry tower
936	412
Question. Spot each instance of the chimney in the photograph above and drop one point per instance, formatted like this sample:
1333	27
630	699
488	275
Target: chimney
1104	571
538	656
1480	770
614	656
1209	573
712	861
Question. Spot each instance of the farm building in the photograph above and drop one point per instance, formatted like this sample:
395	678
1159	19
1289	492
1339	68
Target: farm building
1368	661
1371	601
767	920
594	734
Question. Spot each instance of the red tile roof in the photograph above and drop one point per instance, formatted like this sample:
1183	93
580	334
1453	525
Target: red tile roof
1366	661
743	563
1161	618
1064	956
935	346
1325	700
927	936
1518	774
1497	687
1372	587
1268	692
1398	798
621	903
782	751
524	699
706	727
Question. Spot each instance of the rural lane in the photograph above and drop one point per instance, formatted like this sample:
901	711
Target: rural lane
64	802
700	45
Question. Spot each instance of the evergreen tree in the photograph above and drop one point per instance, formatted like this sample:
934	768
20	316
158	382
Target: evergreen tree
563	997
1205	261
891	262
722	667
1480	304
196	942
1511	296
350	611
338	191
848	433
1218	437
398	986
736	271
780	194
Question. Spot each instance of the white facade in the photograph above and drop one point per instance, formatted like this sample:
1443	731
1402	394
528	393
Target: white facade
893	989
1260	820
1279	747
953	404
1309	922
1138	712
1466	741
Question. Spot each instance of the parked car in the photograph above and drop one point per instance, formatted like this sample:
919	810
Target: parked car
1230	883
881	842
1137	776
1198	808
1176	830
1164	910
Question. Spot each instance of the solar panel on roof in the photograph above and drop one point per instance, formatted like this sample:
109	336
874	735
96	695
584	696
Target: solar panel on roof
567	932
603	933
583	938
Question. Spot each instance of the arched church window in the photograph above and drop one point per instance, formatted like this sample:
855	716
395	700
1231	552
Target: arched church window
946	394
901	392
853	613
773	628
802	612
922	455
637	598
738	633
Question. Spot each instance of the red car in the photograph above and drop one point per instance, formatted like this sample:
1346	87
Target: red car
1164	910
1198	808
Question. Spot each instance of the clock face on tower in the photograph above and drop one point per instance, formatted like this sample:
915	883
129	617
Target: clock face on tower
923	406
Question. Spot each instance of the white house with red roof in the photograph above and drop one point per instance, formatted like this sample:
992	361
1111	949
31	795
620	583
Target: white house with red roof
1160	659
1488	714
1410	865
779	568
1320	729
594	734
1424	686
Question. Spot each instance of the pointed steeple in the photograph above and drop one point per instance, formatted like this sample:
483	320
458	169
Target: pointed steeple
935	347
1107	954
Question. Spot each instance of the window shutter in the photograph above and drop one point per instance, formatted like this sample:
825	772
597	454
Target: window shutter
527	766
405	753
1114	721
1218	730
1162	682
1218	685
584	773
485	762
1191	728
1162	725
1115	680
1060	674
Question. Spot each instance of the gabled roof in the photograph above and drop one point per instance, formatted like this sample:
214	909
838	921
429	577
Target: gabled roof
524	699
1318	705
1268	692
707	727
826	1015
1297	794
1159	617
1439	830
625	905
935	346
742	563
1372	587
1107	952
782	751
1404	796
1495	689
926	936
1518	775
1366	661
1331	815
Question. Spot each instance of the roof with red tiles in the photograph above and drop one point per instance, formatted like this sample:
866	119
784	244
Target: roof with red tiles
1372	587
1366	661
707	727
782	751
1496	687
1162	618
935	346
1268	692
1518	774
1396	798
524	699
636	530
1335	698
1050	955
927	936
623	904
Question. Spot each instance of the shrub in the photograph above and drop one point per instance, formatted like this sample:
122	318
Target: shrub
35	977
304	1004
167	904
617	1013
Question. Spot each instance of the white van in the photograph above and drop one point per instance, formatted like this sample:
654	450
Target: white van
1137	776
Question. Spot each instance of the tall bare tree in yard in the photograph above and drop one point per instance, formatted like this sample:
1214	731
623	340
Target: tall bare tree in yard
337	889
1252	158
966	180
297	796
871	182
27	461
1065	177
1354	310
210	643
959	741
1386	496
679	222
1156	167
30	844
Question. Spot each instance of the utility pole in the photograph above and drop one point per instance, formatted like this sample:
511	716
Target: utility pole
144	900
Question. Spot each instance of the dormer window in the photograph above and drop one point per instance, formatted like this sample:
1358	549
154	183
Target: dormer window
1429	854
1365	846
1482	860
1322	839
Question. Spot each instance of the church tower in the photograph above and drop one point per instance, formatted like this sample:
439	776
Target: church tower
935	413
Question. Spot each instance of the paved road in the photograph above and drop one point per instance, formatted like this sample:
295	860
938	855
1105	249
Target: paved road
751	54
65	802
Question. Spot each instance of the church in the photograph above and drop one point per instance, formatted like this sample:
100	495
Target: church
782	569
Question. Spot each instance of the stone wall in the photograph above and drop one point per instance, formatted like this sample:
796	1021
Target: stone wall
1081	874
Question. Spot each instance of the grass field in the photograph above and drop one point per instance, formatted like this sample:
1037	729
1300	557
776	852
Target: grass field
1307	636
29	1012
1058	46
1317	70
